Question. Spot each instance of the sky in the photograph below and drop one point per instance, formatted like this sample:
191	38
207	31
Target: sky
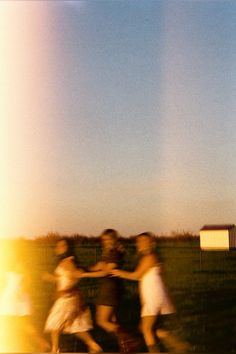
117	113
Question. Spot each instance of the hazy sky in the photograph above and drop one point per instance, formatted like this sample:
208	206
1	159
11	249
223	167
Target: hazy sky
117	113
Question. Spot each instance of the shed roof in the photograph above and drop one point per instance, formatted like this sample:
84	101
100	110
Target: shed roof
218	227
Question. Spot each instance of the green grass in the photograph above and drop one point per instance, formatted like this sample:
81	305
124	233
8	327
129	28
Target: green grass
204	293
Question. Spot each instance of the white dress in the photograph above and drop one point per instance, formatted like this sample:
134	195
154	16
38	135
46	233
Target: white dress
61	315
14	300
153	294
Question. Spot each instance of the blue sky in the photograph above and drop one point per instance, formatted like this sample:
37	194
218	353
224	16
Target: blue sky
131	123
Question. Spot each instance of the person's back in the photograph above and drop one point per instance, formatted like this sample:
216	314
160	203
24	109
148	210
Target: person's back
64	277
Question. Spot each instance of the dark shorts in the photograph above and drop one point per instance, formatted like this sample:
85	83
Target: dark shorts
110	292
169	321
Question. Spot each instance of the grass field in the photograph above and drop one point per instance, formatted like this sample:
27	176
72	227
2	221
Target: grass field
202	286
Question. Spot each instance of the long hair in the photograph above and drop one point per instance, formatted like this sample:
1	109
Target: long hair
70	252
152	248
113	234
150	236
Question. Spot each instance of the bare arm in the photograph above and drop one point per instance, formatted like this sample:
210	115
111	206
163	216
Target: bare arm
49	277
96	267
94	272
146	263
103	270
68	264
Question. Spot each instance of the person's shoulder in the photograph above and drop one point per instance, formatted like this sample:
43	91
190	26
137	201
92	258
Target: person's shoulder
150	258
66	262
68	259
154	257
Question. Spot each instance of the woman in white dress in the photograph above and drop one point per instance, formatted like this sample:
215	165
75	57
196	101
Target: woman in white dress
68	313
16	307
154	296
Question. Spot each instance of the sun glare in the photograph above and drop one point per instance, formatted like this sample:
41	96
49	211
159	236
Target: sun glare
23	64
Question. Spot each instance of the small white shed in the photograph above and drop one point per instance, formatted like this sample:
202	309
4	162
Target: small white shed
218	237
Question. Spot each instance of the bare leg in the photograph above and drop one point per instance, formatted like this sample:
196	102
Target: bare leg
55	341
147	325
89	341
172	342
105	318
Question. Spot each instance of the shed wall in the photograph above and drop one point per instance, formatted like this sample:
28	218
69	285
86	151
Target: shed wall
215	239
232	238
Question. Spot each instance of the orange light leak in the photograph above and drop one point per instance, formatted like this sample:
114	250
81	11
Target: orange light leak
9	336
19	330
23	27
26	52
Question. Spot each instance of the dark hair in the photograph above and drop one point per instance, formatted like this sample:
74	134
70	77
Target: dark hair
111	233
70	252
150	237
154	249
146	234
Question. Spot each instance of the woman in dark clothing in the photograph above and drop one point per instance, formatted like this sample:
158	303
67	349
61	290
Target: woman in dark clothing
110	289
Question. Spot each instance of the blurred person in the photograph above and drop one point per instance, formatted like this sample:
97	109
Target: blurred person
154	296
69	314
16	308
110	290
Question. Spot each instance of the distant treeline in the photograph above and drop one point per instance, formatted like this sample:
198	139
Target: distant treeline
55	236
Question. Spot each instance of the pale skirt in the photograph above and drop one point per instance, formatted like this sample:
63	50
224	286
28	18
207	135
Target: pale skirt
154	295
61	316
